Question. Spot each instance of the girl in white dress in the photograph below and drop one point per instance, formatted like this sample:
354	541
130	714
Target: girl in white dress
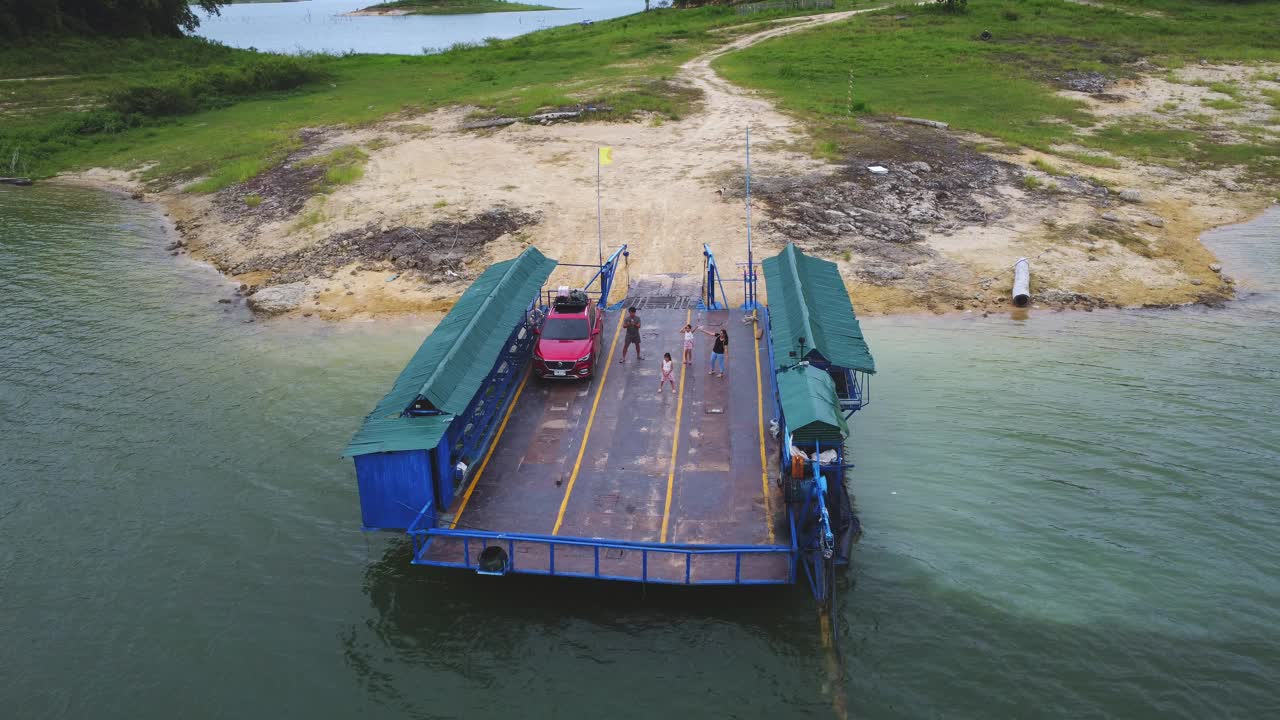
668	373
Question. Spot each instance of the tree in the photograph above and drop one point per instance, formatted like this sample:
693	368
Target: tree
127	18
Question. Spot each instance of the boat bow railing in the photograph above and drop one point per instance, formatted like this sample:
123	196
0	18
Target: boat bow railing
474	544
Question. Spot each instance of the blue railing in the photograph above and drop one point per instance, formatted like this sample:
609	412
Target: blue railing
474	542
853	388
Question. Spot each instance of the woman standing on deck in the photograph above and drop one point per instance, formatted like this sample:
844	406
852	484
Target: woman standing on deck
718	350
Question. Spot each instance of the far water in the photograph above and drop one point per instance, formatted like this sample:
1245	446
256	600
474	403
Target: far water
324	25
1072	515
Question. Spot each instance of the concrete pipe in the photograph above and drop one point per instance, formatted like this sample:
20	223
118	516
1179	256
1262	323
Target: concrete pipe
1021	283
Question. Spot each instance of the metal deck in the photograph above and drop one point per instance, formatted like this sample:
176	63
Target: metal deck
581	478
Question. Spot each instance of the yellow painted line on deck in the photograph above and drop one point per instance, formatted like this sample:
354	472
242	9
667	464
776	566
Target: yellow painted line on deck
675	441
764	463
466	497
577	464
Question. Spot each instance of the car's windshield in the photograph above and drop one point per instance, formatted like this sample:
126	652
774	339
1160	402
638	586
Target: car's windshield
565	329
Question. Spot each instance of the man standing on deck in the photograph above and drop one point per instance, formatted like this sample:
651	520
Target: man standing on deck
631	323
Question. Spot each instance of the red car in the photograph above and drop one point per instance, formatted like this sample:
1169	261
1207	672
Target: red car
569	338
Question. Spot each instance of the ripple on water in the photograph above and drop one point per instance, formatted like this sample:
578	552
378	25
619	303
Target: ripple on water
1072	514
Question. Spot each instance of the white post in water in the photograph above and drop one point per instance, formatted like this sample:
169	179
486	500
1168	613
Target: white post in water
1021	282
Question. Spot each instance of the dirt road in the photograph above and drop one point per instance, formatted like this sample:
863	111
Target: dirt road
661	196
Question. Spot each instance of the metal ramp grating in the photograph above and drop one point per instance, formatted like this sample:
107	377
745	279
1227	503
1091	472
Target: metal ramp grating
661	302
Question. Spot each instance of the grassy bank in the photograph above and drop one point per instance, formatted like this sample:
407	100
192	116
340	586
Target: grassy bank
192	110
922	62
452	7
622	62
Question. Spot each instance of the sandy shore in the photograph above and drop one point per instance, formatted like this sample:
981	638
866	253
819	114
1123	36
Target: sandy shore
938	233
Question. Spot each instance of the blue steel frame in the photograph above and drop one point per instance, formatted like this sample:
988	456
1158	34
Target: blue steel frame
710	281
606	274
481	539
817	557
750	279
471	432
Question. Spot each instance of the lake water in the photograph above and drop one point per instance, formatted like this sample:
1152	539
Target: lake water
323	25
1071	515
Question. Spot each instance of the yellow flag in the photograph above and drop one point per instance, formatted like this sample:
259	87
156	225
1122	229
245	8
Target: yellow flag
606	156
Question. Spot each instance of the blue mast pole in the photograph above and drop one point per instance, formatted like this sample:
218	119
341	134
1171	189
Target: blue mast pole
599	225
751	268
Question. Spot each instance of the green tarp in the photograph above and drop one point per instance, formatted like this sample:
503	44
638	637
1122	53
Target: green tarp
454	360
810	405
808	299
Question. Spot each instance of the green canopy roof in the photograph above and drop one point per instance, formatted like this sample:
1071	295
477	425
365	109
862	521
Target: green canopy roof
808	299
454	360
810	406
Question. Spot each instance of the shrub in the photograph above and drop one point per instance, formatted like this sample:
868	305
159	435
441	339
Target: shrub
152	101
213	87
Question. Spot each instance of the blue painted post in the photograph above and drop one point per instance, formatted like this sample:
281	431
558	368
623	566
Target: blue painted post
711	281
597	553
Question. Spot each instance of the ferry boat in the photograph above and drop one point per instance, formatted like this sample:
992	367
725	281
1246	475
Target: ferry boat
740	480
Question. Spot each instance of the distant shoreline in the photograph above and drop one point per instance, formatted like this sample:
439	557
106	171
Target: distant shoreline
399	8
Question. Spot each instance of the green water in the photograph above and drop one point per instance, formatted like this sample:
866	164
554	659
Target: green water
1072	515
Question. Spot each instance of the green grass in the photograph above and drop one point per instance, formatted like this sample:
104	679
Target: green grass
341	167
1091	159
1046	167
1229	89
1175	146
309	219
1221	104
230	174
621	62
253	200
931	64
456	7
